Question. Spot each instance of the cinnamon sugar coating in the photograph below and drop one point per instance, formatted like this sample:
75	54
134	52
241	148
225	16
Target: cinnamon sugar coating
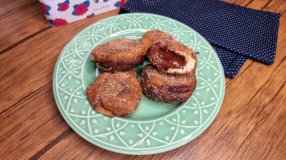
116	94
119	55
155	36
121	93
93	94
169	88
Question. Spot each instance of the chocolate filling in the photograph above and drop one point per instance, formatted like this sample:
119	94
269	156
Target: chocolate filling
163	58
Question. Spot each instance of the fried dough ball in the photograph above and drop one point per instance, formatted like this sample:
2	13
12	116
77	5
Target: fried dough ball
117	94
119	55
172	57
93	94
169	88
155	36
121	93
167	54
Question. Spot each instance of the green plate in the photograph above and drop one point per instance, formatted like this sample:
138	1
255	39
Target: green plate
155	127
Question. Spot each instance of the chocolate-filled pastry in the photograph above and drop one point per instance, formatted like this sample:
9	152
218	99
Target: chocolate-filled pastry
121	93
155	36
93	94
172	57
169	88
119	55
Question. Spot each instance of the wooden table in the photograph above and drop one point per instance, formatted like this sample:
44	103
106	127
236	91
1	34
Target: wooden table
249	125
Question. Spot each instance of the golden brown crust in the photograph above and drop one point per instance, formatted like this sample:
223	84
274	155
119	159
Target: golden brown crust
121	93
93	92
169	88
117	94
155	36
119	55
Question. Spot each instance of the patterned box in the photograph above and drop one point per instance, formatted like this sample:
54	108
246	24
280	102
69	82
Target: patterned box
61	12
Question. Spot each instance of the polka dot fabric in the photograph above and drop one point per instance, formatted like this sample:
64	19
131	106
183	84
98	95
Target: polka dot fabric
235	32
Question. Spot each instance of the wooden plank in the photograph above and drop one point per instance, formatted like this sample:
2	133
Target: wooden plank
20	19
277	6
31	125
16	15
8	8
269	122
258	5
80	148
144	157
41	51
243	3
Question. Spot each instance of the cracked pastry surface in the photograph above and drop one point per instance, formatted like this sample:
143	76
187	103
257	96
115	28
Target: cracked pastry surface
172	57
167	54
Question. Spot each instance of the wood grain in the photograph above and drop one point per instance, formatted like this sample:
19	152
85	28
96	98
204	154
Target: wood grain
18	24
30	54
30	123
250	124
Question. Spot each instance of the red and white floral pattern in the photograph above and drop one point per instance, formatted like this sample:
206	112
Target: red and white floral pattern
61	12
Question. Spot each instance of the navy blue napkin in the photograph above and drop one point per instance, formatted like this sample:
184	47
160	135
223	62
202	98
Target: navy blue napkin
236	33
